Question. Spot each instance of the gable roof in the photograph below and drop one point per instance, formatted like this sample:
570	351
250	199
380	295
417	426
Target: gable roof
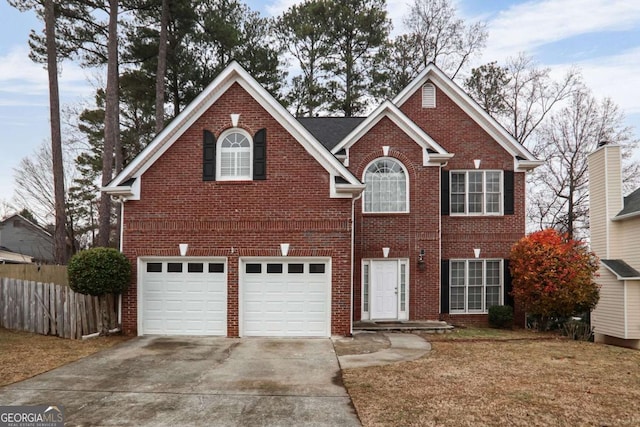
330	130
524	159
35	227
631	206
621	269
432	151
233	73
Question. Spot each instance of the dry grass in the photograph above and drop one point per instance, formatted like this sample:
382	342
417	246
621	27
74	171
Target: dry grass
477	382
24	354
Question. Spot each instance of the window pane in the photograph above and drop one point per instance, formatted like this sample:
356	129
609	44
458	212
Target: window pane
274	268
457	273
295	268
154	267
475	273
493	296
386	187
235	156
365	288
174	267
316	268
216	267
494	192
457	298
403	286
253	268
195	267
475	298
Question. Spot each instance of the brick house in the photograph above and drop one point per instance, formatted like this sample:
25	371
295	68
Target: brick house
241	220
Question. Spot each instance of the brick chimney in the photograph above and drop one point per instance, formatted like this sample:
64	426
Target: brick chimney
605	199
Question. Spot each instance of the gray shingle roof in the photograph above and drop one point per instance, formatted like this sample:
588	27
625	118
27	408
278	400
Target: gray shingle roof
631	203
621	268
330	130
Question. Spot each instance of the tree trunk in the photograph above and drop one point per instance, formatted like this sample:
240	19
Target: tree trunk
162	66
111	124
60	242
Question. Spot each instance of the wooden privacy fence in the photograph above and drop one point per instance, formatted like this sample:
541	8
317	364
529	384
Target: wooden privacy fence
52	309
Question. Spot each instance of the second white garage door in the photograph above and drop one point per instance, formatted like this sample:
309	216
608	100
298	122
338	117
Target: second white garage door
285	297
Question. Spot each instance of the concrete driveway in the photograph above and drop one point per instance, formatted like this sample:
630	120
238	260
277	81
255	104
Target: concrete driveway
161	381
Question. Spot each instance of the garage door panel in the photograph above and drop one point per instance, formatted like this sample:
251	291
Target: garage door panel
289	301
180	297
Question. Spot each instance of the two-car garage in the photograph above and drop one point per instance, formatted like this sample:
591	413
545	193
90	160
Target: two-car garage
283	297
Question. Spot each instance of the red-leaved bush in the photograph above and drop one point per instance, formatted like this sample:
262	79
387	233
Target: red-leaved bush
553	276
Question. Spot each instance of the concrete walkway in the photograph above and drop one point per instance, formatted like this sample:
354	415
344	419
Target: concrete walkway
197	381
404	347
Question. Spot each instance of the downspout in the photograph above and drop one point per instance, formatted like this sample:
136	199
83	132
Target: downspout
122	200
353	239
442	166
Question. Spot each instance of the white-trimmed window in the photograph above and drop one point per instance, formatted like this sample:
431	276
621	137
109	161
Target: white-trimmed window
475	285
476	192
428	96
387	187
234	156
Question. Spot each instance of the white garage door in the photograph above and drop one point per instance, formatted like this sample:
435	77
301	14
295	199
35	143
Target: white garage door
183	297
286	298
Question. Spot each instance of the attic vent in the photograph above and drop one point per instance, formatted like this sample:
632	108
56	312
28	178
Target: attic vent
428	96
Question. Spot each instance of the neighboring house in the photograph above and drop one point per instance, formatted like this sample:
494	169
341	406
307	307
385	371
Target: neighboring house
300	227
9	257
615	233
19	235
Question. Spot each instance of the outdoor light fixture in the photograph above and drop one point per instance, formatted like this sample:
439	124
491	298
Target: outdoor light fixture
421	264
284	249
183	248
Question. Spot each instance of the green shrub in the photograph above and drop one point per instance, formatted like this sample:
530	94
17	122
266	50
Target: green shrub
501	316
99	271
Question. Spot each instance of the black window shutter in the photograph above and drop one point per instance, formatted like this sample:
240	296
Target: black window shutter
444	286
208	156
508	285
260	155
444	192
508	192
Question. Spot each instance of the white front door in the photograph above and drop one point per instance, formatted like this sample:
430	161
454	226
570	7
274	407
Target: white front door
384	286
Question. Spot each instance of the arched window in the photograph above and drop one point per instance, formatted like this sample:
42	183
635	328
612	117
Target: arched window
234	156
387	186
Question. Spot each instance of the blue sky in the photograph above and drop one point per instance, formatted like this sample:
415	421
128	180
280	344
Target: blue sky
602	37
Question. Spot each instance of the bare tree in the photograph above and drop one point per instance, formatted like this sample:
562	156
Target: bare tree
34	186
442	38
559	188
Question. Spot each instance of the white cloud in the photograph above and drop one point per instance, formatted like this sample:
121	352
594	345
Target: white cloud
527	26
19	75
613	76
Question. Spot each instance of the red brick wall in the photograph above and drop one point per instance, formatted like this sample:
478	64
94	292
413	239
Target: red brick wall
291	206
406	234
